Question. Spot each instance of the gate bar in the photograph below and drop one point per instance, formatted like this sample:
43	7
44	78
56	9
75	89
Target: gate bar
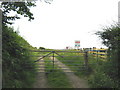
55	51
43	57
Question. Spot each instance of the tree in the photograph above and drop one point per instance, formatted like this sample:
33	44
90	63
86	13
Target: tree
41	48
18	67
111	38
15	50
21	8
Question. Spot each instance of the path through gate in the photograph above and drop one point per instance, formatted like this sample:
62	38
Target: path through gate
66	60
58	62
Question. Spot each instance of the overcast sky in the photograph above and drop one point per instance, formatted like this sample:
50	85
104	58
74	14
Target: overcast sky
60	23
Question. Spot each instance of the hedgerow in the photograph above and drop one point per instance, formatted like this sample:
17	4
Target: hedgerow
18	68
107	74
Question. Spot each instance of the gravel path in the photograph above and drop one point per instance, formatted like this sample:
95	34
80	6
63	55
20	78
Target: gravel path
74	80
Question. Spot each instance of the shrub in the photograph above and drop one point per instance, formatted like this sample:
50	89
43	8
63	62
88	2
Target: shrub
106	75
18	67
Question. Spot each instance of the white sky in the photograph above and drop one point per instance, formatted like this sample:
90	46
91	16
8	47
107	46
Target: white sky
60	23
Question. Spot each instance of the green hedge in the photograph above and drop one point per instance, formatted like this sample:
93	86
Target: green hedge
17	66
105	76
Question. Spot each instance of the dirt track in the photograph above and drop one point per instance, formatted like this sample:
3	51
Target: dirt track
41	78
74	80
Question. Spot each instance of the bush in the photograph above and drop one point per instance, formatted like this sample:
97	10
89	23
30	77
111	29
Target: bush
101	80
106	74
18	67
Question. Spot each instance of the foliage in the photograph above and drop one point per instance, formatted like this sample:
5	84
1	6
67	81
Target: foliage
21	8
106	74
110	36
41	48
100	80
18	67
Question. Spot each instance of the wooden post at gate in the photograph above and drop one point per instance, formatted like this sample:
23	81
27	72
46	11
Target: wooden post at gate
86	59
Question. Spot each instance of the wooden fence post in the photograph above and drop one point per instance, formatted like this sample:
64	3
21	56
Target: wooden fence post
86	59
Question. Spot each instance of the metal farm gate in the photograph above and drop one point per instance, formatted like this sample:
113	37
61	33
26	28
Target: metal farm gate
52	64
63	66
51	57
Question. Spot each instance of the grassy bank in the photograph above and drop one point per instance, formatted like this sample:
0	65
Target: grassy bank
18	69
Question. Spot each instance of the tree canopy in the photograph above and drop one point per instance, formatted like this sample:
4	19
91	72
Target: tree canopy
111	36
21	8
